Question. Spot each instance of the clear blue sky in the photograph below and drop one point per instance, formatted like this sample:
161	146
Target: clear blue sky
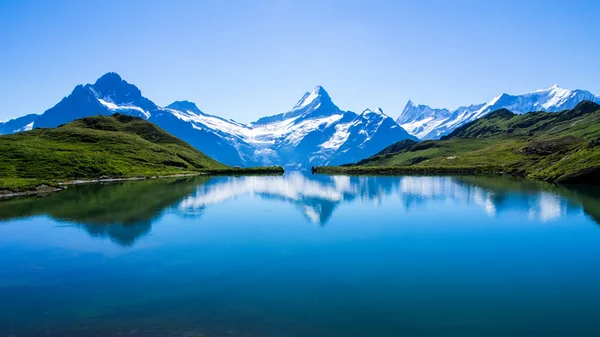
245	59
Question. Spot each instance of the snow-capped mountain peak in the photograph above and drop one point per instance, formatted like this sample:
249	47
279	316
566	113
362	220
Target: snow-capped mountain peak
428	123
553	87
313	98
314	132
112	88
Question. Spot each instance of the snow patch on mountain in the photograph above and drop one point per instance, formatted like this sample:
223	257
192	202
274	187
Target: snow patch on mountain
28	127
338	138
122	108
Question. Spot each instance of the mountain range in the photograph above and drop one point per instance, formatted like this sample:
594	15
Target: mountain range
314	132
561	147
428	123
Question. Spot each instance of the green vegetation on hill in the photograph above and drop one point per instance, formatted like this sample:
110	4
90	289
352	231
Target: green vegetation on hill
117	146
562	147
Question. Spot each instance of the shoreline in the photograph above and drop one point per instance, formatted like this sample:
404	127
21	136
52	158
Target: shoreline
46	188
38	191
403	170
575	178
108	180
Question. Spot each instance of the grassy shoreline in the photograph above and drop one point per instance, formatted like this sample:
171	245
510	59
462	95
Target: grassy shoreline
437	171
13	187
410	170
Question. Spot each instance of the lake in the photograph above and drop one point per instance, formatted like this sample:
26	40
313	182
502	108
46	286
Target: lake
301	255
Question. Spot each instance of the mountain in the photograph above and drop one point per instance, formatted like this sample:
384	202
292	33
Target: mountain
20	124
108	95
561	147
428	123
314	132
94	147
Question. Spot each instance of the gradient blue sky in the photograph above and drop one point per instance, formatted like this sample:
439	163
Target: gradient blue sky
246	59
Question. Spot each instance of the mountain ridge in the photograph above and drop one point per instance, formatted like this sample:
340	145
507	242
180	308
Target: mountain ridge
432	123
561	147
314	132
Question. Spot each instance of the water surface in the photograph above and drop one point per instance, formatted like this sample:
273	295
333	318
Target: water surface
302	256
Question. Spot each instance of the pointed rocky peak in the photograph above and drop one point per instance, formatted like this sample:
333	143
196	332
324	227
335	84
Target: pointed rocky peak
113	88
184	106
320	91
409	113
410	105
318	95
110	78
498	98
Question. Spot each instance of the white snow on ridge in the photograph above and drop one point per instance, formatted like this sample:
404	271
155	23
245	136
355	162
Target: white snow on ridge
421	128
290	130
114	107
338	138
27	127
296	187
427	123
559	96
313	95
211	122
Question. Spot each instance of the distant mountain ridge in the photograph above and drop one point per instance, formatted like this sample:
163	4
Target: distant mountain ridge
427	123
561	147
20	124
314	132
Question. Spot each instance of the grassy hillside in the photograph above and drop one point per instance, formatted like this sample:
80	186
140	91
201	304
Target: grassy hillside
559	147
117	146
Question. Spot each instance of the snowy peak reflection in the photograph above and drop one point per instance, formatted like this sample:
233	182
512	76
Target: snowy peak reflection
124	212
495	195
317	197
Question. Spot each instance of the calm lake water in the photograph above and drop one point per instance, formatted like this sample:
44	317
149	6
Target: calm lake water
303	256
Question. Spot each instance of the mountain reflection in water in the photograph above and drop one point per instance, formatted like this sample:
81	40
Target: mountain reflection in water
125	211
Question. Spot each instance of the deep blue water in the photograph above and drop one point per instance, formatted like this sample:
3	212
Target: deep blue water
303	256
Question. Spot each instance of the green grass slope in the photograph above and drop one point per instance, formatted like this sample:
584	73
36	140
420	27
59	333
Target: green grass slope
117	146
561	147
